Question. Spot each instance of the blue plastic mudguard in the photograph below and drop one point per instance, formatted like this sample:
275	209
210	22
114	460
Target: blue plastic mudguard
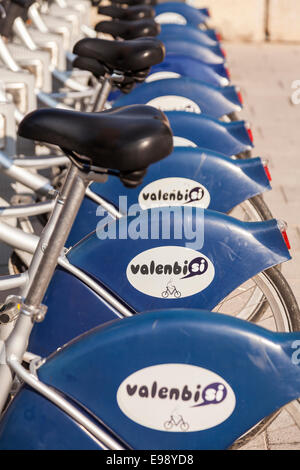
187	13
203	131
224	184
185	94
183	66
187	32
158	272
235	251
228	182
188	48
178	379
171	32
192	68
50	428
204	11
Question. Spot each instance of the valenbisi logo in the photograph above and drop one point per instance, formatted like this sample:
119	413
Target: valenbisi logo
176	398
174	192
170	272
175	103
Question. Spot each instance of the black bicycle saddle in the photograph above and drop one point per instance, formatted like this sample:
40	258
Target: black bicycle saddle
91	65
136	12
125	56
99	70
23	3
129	29
128	138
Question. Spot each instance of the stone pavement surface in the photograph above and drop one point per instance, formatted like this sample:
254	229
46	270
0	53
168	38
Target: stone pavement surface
265	73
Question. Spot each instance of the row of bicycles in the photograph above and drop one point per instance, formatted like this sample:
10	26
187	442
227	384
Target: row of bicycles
146	307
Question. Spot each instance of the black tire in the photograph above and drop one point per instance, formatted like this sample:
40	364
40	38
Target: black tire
244	155
287	296
247	153
263	213
258	208
261	207
277	295
233	116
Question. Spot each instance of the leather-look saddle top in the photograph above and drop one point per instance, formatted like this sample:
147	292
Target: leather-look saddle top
129	29
137	12
127	139
124	56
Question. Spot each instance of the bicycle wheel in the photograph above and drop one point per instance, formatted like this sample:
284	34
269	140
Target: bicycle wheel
281	314
253	210
184	427
282	311
168	425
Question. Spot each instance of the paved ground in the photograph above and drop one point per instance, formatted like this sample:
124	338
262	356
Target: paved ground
265	74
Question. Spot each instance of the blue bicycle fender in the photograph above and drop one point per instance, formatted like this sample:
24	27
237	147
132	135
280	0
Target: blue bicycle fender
185	13
228	182
225	183
188	67
233	252
183	66
188	31
85	222
72	317
184	94
205	12
50	428
189	36
194	50
206	132
132	374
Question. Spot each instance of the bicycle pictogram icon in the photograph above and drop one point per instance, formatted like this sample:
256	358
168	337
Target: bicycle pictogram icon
171	291
183	425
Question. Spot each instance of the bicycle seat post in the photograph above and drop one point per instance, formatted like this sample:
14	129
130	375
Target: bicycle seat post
105	87
101	94
70	199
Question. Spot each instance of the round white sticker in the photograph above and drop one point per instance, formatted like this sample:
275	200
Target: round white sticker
161	76
174	192
170	272
170	18
176	398
175	103
183	142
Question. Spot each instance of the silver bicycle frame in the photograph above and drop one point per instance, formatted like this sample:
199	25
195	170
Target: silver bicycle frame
32	180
